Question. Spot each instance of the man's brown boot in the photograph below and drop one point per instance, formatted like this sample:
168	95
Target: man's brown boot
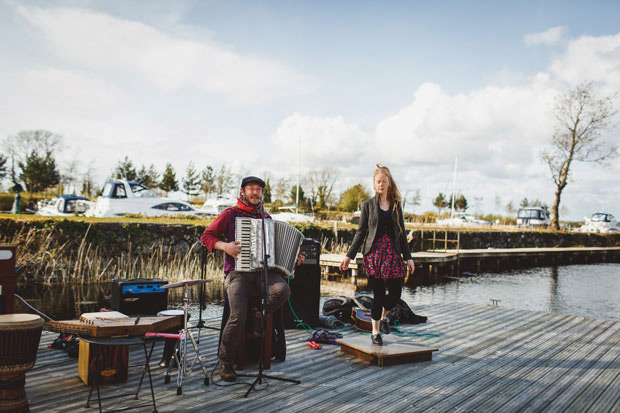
227	373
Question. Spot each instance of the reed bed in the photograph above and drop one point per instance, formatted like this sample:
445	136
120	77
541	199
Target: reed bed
41	257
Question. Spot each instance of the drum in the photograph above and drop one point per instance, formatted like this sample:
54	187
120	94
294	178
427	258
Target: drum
19	342
170	313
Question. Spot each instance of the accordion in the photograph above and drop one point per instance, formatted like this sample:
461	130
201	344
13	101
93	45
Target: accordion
282	240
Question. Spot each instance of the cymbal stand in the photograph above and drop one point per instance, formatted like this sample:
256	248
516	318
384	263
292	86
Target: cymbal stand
180	353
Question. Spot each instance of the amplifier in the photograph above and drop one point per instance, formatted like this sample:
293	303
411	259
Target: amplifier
7	279
305	288
139	296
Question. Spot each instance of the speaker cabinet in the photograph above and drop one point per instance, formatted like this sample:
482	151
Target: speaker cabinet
305	288
7	279
139	296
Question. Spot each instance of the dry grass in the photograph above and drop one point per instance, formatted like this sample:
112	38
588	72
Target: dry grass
42	258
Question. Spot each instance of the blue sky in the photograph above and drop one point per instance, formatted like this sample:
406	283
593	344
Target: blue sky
409	84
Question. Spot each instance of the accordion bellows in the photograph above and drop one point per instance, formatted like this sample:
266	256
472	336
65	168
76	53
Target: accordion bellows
282	241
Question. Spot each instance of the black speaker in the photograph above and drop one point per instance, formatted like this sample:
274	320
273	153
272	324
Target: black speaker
139	296
305	288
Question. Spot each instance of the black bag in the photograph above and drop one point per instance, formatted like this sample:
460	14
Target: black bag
404	314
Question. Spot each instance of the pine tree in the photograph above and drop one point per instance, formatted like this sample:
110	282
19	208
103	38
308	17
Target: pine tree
191	182
169	181
125	170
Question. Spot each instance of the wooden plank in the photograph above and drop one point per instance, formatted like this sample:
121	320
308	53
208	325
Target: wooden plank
486	378
590	385
489	359
438	375
547	371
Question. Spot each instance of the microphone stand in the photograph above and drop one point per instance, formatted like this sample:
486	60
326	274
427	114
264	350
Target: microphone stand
264	303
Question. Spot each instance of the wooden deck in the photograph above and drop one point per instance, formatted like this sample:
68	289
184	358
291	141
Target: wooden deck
489	359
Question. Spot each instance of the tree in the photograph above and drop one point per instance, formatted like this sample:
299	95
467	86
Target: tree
280	189
416	199
510	208
125	170
267	192
460	203
88	187
207	177
69	175
524	203
169	181
440	202
39	172
3	168
224	180
191	183
302	196
353	197
478	204
581	120
148	176
321	184
21	145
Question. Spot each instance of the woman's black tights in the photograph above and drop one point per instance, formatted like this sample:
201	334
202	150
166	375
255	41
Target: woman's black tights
381	301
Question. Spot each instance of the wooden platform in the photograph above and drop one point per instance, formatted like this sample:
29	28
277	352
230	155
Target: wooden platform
490	359
395	350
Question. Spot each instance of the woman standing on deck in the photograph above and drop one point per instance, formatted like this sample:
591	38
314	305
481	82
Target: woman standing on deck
381	235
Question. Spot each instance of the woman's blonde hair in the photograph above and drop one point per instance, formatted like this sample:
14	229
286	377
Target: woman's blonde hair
393	195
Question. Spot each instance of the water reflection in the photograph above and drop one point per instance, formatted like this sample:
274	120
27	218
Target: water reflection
581	290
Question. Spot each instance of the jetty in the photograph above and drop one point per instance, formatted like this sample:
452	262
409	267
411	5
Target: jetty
456	261
489	358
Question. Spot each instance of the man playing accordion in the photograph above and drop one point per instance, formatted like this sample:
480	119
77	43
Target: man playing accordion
239	284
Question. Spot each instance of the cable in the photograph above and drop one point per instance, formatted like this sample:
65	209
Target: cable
34	309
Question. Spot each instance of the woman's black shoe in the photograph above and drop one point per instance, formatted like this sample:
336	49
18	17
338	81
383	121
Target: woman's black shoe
383	326
376	339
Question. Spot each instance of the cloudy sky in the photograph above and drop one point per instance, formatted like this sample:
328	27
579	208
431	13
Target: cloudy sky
412	85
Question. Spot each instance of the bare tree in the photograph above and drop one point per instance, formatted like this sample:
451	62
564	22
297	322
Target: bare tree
281	189
224	180
23	144
321	183
68	176
88	186
581	118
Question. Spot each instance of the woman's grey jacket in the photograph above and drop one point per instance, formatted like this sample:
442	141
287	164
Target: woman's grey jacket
367	230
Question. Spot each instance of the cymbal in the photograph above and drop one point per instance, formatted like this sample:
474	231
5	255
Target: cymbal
183	283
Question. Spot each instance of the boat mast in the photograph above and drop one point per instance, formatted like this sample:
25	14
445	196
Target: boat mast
453	188
297	192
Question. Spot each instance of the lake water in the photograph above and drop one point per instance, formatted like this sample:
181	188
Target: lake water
581	290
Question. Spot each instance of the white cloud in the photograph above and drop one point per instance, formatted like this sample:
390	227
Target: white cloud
323	142
70	92
548	37
102	42
590	58
494	129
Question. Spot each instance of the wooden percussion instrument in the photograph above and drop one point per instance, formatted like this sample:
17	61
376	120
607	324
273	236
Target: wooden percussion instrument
19	342
109	324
